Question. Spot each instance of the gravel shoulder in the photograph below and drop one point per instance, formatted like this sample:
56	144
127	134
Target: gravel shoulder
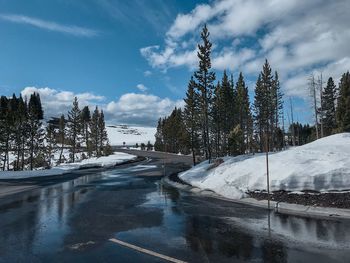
335	200
313	205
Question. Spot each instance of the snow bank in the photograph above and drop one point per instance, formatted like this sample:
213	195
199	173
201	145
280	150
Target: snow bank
322	165
105	161
118	134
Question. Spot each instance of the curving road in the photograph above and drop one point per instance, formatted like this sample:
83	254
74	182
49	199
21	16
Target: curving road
73	220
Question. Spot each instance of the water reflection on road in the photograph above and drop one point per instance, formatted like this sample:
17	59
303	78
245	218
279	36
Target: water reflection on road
72	221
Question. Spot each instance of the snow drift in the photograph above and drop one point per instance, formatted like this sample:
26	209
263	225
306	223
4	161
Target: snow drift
323	165
65	168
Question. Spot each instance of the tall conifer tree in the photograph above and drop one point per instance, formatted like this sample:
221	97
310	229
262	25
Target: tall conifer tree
204	83
74	128
328	107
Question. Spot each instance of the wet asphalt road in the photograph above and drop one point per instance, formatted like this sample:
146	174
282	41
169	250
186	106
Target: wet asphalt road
72	221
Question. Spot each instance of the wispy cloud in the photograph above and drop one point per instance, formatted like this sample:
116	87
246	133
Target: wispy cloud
141	87
49	25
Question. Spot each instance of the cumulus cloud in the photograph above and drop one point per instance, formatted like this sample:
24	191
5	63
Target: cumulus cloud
57	102
49	25
130	108
297	37
140	109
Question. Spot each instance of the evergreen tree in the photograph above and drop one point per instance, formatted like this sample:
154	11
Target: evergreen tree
62	135
244	114
328	107
343	105
277	109
6	130
217	120
204	83
74	128
36	132
21	132
191	118
94	131
103	137
260	113
228	111
264	106
86	118
159	142
50	143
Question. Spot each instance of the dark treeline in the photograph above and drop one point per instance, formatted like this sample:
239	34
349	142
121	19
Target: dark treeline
25	143
218	118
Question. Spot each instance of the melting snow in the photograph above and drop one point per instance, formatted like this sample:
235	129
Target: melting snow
322	165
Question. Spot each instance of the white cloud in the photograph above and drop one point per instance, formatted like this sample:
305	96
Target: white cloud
297	37
130	108
147	73
141	87
57	102
142	109
49	25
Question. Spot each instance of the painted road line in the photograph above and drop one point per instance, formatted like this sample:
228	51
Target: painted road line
146	251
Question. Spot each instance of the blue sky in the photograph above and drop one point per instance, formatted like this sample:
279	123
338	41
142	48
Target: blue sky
134	58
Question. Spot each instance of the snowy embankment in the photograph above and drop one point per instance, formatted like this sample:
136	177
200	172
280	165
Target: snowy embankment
120	134
102	162
323	165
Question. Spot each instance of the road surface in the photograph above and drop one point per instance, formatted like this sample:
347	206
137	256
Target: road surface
75	220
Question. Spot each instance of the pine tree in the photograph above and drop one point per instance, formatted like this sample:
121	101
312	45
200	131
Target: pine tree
328	107
277	109
36	132
86	118
74	128
244	113
204	83
217	119
103	137
94	131
159	142
228	111
50	143
191	118
260	118
343	105
264	106
21	132
6	130
62	135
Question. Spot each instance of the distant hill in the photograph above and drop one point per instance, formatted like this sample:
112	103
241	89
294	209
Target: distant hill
118	134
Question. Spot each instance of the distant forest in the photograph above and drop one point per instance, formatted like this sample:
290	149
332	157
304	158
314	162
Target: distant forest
218	118
27	143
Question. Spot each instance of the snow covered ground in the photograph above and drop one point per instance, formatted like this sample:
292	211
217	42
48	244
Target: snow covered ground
105	161
323	165
118	134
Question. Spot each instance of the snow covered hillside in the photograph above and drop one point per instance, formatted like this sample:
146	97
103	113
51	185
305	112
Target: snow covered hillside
322	165
118	134
65	168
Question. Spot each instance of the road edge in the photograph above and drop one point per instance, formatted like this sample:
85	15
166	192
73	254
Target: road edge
277	207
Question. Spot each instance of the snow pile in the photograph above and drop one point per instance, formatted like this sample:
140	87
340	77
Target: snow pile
118	134
322	165
105	161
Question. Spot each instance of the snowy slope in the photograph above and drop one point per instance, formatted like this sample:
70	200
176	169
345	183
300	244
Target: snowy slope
131	135
322	165
105	161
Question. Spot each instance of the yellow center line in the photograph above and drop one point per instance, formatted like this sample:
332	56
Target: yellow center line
146	251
